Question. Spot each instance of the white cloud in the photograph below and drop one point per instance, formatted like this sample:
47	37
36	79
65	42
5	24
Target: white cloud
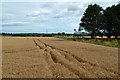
70	11
73	25
39	12
39	19
40	15
62	13
15	24
58	16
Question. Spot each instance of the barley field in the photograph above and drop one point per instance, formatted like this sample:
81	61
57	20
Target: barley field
48	57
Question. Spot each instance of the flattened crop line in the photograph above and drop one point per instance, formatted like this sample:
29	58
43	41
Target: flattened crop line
46	54
48	60
77	58
56	58
81	60
35	42
70	66
39	41
53	57
46	44
84	61
42	42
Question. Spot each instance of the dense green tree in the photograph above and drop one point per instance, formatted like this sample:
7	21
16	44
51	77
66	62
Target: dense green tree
91	21
63	33
112	21
58	33
117	25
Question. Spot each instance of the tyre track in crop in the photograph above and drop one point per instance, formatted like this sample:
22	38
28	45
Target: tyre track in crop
59	58
51	61
47	56
70	61
80	60
69	55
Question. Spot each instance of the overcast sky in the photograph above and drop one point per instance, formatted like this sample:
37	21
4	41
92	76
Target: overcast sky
39	17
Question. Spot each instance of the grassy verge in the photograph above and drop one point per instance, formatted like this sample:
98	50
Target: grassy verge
112	43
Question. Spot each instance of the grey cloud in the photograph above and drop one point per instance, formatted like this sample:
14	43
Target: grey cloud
58	16
73	7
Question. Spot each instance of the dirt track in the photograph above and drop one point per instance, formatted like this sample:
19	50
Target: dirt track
57	58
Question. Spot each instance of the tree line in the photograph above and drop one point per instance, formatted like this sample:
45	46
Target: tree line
35	34
102	22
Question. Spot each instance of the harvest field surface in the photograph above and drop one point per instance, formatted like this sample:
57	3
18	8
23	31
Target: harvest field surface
48	57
